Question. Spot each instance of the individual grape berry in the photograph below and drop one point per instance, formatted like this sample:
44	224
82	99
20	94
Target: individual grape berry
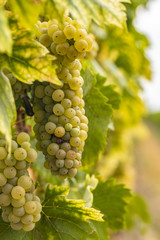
58	109
31	155
69	31
58	95
23	137
3	153
17	192
3	179
59	132
20	154
45	39
24	182
30	207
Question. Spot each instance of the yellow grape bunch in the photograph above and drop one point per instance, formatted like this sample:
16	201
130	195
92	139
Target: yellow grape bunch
61	125
20	207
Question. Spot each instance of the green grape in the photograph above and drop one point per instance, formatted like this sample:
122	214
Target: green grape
79	93
75	163
58	109
69	94
75	101
53	48
29	197
20	165
22	172
68	163
28	227
16	226
3	179
48	90
45	39
69	31
62	48
50	127
78	113
12	79
75	73
39	91
10	172
61	154
10	161
30	207
36	218
49	107
78	156
17	87
81	45
36	198
59	37
13	218
23	137
52	29
20	154
75	121
7	209
83	135
13	181
19	212
63	171
59	132
26	145
47	100
63	120
76	83
71	155
5	200
45	143
5	217
3	153
52	149
84	119
84	127
17	192
60	163
38	208
70	113
75	141
18	202
31	155
2	165
68	126
72	53
66	146
45	136
66	103
43	30
41	129
24	182
39	116
7	188
27	219
75	132
53	118
81	104
52	165
58	95
72	172
66	136
80	34
89	40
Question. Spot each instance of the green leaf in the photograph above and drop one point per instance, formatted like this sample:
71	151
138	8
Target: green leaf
61	219
29	61
7	107
101	229
27	11
102	12
5	34
111	199
99	113
137	212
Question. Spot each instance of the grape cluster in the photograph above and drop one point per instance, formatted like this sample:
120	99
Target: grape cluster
18	87
20	207
61	125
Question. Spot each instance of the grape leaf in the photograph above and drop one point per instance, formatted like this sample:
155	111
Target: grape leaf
101	11
7	107
5	35
28	11
29	61
99	113
111	199
61	219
